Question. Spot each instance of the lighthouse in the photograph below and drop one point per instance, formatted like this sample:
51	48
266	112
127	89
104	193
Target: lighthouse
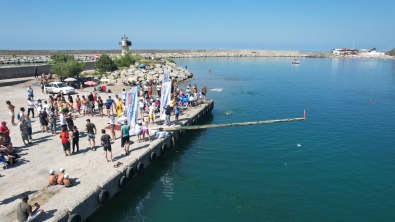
125	44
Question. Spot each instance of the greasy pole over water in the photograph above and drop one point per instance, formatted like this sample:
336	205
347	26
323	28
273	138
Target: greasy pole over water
228	124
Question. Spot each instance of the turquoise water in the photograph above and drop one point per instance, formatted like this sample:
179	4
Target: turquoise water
343	170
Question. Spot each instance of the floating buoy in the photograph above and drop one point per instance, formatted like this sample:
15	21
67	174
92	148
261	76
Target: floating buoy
152	156
123	182
104	197
130	172
74	218
140	167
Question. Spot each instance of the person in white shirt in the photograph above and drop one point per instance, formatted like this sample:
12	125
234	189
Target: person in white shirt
62	119
112	126
146	90
22	114
46	107
141	108
30	92
124	96
151	112
30	107
158	88
123	120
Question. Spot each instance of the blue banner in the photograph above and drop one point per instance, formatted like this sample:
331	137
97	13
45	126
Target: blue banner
164	98
132	106
166	76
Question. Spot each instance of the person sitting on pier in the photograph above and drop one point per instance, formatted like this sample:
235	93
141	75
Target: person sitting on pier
24	210
60	178
67	180
52	177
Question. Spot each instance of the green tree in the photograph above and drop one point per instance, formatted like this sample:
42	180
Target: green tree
392	51
56	59
70	68
105	63
124	60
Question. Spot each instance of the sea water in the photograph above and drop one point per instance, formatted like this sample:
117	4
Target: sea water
337	165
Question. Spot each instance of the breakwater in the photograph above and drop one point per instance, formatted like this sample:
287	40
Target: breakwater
28	71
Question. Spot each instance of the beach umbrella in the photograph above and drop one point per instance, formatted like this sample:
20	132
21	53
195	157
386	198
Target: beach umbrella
142	65
70	80
96	56
90	83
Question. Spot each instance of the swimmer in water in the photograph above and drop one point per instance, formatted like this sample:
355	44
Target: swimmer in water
372	100
227	113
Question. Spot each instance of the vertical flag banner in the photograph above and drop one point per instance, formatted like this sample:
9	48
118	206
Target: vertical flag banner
132	106
164	98
166	77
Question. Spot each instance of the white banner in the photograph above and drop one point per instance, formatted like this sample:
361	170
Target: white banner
164	98
132	106
166	76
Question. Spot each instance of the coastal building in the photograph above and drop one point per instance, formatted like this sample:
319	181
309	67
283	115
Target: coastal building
372	54
125	44
344	51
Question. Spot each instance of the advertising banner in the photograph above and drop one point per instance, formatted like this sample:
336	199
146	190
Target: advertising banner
132	106
164	98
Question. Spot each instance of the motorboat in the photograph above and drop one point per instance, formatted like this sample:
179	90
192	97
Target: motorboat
295	61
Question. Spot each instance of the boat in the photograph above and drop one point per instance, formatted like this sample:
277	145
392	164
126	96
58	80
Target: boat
295	61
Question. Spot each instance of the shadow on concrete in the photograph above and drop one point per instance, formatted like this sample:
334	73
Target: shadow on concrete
41	140
47	215
139	148
75	182
15	197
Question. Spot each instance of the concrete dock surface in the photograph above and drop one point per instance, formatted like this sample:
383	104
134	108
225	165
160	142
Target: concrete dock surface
88	168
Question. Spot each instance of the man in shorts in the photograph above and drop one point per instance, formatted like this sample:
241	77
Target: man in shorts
70	98
112	126
65	141
123	119
78	104
24	210
84	103
125	142
106	142
91	131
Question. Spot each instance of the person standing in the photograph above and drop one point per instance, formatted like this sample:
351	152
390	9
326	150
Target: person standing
30	107
177	109
21	113
145	90
150	90
28	124
141	108
100	106
124	95
65	141
42	86
81	87
84	103
78	104
125	142
69	121
62	119
24	210
112	126
36	73
76	139
11	111
158	88
23	130
145	130
30	93
6	132
106	142
70	98
167	112
52	121
91	131
119	107
111	101
44	120
151	112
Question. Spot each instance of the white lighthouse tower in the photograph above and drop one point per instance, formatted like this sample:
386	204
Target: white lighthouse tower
125	44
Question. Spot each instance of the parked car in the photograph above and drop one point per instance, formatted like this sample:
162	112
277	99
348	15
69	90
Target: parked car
58	87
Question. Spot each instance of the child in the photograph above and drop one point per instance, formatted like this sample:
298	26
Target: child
76	139
108	107
177	109
151	113
145	130
105	141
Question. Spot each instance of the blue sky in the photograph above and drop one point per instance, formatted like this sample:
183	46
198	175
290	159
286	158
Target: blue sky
302	25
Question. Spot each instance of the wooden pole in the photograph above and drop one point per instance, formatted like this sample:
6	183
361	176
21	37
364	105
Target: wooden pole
227	124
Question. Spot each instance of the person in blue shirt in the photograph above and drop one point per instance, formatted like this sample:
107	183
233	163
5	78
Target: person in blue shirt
108	106
177	110
111	101
125	142
124	96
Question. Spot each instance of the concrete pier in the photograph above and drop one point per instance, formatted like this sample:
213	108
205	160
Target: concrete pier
88	168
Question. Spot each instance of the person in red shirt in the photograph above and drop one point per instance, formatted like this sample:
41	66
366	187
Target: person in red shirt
65	141
6	132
